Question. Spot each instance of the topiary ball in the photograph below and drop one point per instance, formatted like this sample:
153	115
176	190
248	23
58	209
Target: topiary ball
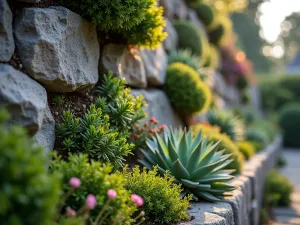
186	91
289	122
205	13
191	37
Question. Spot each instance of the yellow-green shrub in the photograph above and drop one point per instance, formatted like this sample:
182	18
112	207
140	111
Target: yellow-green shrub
246	148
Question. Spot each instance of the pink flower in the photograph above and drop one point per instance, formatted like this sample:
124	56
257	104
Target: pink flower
111	193
91	201
137	199
74	182
163	126
70	212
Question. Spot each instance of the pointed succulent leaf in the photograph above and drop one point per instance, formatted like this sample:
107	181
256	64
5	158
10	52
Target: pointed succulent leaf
197	140
183	149
146	164
151	158
203	187
206	196
215	178
162	162
189	183
223	165
209	154
223	186
194	159
179	171
172	152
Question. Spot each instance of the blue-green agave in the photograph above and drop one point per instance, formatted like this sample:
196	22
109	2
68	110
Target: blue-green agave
193	162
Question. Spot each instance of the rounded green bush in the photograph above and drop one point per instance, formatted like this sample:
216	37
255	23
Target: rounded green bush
277	189
163	203
289	122
185	89
191	37
96	178
205	13
111	15
28	193
246	148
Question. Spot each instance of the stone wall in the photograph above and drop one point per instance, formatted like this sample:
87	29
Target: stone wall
243	207
53	49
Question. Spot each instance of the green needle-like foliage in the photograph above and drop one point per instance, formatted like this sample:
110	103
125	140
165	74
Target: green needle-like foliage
194	163
228	123
185	56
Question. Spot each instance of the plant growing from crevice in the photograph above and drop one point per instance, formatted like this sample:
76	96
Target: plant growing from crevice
193	162
186	57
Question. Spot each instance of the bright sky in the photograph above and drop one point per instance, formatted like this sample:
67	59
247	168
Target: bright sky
273	13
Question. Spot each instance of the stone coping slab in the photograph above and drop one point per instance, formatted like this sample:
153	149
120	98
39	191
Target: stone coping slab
243	207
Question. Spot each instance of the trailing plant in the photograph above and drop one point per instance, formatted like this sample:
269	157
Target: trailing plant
214	136
185	89
228	123
96	179
192	161
163	203
246	148
141	133
186	57
28	193
289	122
191	37
58	100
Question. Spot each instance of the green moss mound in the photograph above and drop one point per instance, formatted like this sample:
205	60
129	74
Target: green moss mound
191	37
205	13
186	91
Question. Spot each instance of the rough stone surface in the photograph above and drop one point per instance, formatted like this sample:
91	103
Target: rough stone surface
46	135
7	45
124	62
25	99
155	62
158	106
29	1
180	9
170	43
168	8
58	48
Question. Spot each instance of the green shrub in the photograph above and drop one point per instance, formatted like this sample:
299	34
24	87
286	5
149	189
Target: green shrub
28	193
111	15
163	203
185	89
291	83
103	131
191	37
277	189
281	161
205	13
228	123
246	148
267	127
257	137
258	145
192	161
213	134
289	122
219	33
186	57
150	32
96	179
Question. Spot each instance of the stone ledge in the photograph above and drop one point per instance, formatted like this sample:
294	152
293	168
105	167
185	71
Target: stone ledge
243	207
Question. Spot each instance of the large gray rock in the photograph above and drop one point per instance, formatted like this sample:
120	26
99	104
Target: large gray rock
124	61
158	106
180	9
155	62
46	135
25	99
168	8
7	45
170	43
58	48
193	18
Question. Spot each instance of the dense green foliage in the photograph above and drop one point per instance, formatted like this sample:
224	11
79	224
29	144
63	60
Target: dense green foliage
228	123
277	189
139	21
192	161
163	203
246	148
28	193
185	89
205	13
289	121
221	31
213	58
96	178
186	57
214	136
257	137
103	130
191	37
